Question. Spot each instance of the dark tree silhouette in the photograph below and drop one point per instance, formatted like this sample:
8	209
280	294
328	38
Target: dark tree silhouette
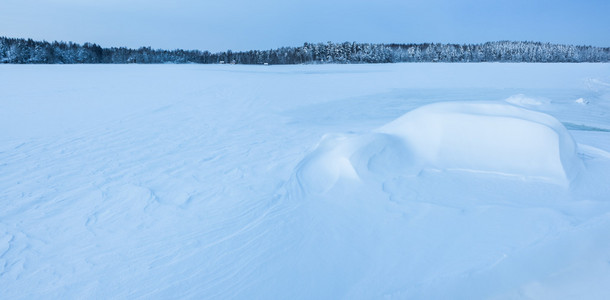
28	51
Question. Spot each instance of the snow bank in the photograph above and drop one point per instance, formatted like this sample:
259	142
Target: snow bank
483	137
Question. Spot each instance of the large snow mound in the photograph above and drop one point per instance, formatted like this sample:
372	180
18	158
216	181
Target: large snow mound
486	137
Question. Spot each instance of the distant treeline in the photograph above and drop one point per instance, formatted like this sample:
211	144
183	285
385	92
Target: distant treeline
28	51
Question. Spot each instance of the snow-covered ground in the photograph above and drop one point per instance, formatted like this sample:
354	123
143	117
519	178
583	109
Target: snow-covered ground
318	181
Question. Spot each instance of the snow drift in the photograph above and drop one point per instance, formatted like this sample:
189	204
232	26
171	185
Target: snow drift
483	137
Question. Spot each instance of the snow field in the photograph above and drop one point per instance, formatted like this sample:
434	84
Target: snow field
333	181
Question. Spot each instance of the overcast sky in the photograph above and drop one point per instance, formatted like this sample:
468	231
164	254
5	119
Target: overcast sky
264	24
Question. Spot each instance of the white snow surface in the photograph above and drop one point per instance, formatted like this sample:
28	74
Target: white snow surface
488	137
525	101
403	181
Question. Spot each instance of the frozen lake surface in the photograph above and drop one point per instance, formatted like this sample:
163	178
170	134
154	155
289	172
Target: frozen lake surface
309	181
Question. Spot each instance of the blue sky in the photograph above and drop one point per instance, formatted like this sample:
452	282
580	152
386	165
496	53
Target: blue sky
263	24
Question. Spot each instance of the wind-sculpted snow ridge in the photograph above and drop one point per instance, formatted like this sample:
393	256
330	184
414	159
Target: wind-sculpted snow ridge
485	137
